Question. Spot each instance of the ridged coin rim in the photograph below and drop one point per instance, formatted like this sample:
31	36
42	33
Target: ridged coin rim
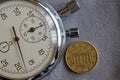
68	64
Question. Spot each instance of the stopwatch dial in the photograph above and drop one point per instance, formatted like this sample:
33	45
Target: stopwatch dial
28	39
33	29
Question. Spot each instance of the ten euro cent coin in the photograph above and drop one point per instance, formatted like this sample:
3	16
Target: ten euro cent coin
81	57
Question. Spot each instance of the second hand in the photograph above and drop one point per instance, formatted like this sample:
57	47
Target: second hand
17	40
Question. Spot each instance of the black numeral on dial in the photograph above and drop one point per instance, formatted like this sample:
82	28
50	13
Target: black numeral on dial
17	11
30	13
4	63
31	62
18	66
3	16
44	38
41	52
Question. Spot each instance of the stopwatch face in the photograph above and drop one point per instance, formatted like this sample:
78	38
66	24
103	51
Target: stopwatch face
28	39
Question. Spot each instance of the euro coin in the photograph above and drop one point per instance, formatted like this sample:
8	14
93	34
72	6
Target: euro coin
81	57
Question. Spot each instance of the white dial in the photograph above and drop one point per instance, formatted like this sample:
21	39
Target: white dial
28	39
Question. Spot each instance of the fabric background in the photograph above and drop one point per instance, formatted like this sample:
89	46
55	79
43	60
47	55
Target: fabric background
99	23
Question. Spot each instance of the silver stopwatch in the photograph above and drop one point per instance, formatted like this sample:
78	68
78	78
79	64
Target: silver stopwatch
32	37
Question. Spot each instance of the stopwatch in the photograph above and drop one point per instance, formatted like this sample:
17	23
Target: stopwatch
32	38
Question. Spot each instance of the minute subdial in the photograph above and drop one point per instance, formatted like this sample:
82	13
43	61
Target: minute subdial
32	29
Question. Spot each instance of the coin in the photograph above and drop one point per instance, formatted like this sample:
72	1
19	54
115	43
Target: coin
81	57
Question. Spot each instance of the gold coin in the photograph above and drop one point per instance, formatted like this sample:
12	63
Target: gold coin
81	57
